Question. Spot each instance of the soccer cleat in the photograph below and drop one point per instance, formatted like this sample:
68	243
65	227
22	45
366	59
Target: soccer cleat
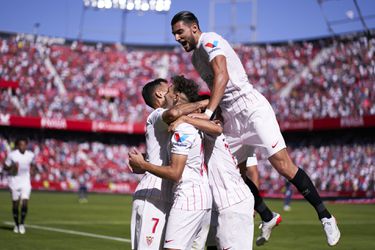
22	229
15	229
287	208
266	229
332	231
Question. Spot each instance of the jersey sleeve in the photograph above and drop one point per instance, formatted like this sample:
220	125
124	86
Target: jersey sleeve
213	45
159	123
182	139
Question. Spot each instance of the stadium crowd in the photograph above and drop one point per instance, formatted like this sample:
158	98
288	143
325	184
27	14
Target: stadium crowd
333	168
68	161
330	77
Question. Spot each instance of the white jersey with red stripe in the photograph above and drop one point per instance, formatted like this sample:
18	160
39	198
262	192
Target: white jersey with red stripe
157	140
24	160
192	192
227	185
239	93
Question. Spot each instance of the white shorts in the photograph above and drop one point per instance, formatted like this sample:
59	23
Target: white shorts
233	227
20	192
148	223
187	229
257	127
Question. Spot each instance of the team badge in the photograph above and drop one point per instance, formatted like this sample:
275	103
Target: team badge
149	240
212	45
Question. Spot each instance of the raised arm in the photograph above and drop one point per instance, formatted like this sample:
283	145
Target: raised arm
174	113
221	78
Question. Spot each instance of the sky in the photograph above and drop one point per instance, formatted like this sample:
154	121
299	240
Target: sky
277	20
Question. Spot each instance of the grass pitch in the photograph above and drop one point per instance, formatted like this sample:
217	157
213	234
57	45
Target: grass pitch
58	221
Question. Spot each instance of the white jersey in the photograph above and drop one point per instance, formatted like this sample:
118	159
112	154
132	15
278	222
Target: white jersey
157	140
239	94
24	162
227	185
192	192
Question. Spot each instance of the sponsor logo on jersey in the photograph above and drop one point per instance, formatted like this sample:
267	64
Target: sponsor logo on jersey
180	137
212	45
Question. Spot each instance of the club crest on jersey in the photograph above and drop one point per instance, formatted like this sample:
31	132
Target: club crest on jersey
149	240
212	45
180	138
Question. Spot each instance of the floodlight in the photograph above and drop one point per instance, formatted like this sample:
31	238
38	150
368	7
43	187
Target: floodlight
129	5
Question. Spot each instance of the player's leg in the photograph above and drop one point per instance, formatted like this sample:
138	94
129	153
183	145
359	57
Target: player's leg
268	136
24	206
211	238
25	196
185	227
16	194
269	219
229	234
260	206
15	212
148	224
288	196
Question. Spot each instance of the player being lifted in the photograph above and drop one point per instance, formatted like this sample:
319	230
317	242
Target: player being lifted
249	119
18	164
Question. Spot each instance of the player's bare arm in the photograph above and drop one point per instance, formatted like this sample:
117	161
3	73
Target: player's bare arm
174	113
171	172
221	78
209	127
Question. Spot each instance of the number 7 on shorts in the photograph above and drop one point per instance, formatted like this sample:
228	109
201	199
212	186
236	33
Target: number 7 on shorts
156	221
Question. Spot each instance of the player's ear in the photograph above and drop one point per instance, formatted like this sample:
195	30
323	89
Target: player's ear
194	28
159	94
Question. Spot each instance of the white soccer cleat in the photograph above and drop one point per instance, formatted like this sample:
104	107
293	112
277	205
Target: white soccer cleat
266	229
332	231
287	208
15	229
22	229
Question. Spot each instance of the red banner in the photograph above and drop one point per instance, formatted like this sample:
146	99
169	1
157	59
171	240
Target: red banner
8	84
139	128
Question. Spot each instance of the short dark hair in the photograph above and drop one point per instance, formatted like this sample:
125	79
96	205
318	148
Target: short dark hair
187	87
18	140
185	16
148	91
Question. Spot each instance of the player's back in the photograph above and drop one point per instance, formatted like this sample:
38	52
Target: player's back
192	191
157	139
227	185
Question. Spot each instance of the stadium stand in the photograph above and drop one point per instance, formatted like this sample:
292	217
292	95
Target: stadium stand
50	83
303	80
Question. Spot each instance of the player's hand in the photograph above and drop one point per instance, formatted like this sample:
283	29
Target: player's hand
199	116
172	127
203	103
135	161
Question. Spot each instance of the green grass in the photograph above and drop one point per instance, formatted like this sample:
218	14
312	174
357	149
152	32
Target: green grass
109	215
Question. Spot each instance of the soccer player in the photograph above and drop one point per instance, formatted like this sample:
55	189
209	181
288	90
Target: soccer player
190	214
233	203
288	196
19	163
249	119
153	196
